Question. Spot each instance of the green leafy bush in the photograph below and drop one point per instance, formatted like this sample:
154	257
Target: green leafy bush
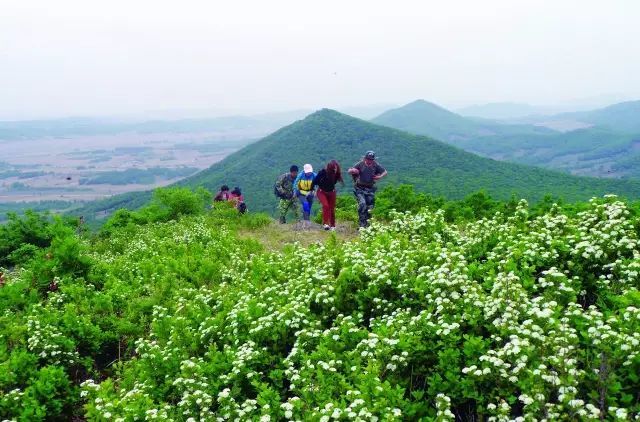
520	313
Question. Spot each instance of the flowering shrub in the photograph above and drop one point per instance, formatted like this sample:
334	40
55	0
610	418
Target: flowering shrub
512	317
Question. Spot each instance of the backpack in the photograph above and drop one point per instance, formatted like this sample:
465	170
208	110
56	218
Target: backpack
276	192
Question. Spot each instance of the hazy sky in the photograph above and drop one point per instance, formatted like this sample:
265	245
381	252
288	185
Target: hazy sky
88	57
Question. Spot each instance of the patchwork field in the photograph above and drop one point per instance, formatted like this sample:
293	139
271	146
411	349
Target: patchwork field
81	168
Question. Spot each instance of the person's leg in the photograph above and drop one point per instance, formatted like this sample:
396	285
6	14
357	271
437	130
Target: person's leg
324	200
370	200
283	208
331	197
295	206
304	204
310	202
362	206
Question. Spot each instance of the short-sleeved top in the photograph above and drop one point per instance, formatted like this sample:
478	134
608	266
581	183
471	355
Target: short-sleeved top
365	176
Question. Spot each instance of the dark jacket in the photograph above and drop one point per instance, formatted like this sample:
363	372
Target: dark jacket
324	182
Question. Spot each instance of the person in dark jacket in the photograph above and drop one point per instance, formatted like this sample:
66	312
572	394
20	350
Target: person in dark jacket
326	181
365	174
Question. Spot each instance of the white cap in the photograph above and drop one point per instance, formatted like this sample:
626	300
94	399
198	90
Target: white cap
308	168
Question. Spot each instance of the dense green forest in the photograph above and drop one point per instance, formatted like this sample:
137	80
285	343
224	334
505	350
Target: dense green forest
441	310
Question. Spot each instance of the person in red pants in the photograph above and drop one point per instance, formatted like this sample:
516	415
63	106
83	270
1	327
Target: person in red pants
326	181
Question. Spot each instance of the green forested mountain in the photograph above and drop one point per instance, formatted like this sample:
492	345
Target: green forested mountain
425	118
429	165
591	152
602	150
622	117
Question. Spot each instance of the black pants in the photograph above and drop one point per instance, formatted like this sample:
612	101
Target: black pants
366	198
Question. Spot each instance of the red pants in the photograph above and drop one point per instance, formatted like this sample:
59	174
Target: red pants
328	201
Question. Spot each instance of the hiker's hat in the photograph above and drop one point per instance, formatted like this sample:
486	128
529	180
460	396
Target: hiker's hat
308	168
370	155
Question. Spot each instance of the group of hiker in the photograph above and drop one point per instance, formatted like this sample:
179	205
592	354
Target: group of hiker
234	196
297	190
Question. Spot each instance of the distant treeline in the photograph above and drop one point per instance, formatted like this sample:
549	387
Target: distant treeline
137	176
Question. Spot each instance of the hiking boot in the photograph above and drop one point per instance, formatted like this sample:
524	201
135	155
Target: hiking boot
326	227
283	220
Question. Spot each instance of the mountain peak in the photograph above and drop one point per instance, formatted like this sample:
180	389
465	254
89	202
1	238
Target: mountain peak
325	112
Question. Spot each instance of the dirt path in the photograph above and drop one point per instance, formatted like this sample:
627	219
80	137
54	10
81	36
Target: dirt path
275	236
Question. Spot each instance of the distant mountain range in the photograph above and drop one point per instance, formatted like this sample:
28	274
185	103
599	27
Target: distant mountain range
429	165
504	111
260	124
25	130
604	142
424	118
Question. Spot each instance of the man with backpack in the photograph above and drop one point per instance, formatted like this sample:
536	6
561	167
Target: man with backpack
283	189
365	174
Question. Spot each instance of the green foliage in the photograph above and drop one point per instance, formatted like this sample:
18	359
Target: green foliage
20	237
40	206
166	204
503	311
174	202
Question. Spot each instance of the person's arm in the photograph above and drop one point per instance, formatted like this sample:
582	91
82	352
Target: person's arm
380	173
280	185
295	185
313	185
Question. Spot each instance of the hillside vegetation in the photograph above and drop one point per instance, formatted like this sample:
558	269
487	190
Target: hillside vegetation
606	145
431	166
622	117
425	118
168	313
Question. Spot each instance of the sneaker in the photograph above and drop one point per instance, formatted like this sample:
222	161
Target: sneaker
332	229
326	227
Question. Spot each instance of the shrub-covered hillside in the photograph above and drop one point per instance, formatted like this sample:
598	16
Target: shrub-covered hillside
168	314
